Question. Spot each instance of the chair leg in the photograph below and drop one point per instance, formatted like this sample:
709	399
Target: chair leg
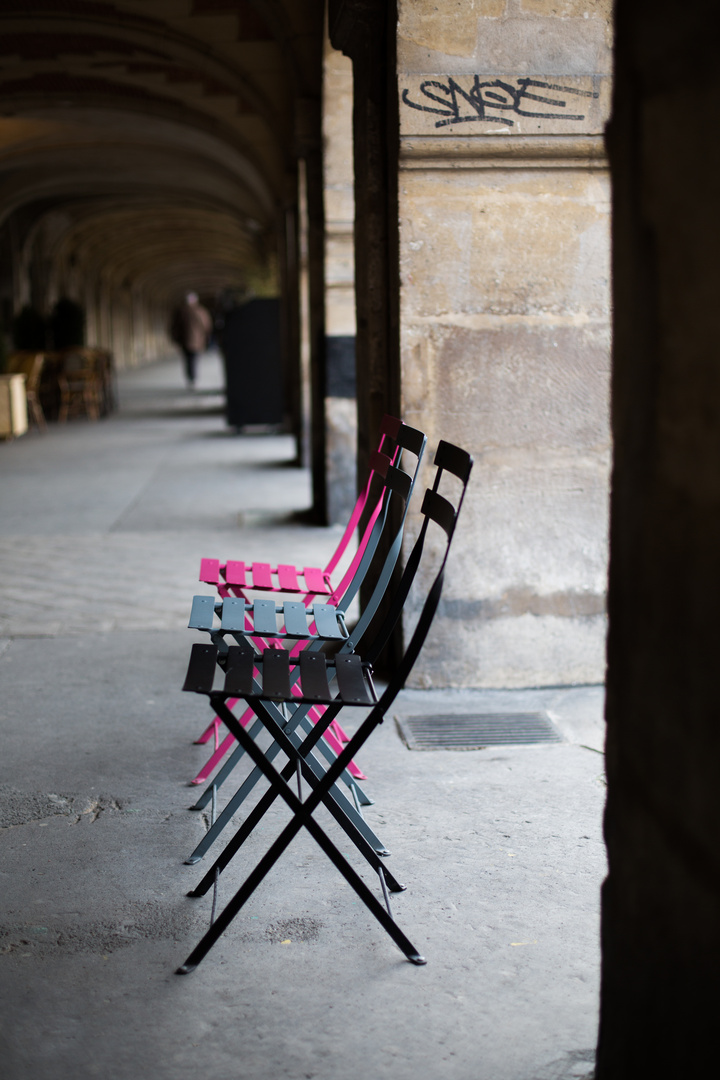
36	411
246	890
257	814
356	820
302	817
279	734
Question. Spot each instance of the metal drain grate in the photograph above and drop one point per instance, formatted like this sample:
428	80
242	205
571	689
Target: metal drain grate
453	731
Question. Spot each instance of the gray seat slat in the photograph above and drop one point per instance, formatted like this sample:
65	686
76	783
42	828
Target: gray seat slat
296	619
326	621
313	671
350	679
264	618
202	612
233	614
276	673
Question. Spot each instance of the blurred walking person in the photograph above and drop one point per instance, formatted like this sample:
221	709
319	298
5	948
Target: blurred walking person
190	329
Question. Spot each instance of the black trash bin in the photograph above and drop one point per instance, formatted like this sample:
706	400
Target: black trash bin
250	343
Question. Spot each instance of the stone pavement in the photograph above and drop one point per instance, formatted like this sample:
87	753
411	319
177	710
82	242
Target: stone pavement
101	529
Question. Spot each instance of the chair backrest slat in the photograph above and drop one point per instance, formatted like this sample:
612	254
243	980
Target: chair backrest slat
439	510
454	460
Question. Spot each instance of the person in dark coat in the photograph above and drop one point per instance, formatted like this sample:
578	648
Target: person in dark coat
190	329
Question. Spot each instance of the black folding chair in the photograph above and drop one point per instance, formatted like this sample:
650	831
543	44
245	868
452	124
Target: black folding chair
345	680
310	626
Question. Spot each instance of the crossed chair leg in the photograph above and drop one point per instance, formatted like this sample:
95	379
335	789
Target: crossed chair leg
302	817
351	812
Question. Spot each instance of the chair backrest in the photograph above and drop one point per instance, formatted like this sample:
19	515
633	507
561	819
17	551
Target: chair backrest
387	446
397	485
439	510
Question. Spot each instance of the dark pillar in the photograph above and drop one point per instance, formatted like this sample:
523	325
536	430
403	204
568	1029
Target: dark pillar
290	289
366	30
309	137
661	901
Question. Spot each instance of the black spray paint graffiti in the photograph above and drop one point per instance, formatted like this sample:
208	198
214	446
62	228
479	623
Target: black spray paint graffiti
460	106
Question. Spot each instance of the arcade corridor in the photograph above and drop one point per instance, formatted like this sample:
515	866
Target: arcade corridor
101	535
498	220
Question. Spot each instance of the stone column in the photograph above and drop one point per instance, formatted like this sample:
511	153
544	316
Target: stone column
365	30
340	400
661	901
289	268
308	133
504	323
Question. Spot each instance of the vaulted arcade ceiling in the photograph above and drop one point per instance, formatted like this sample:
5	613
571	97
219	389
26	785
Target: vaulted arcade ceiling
156	137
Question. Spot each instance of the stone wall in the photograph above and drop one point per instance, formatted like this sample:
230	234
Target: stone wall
504	259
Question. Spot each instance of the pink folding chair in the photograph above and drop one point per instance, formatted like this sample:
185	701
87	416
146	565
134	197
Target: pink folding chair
236	578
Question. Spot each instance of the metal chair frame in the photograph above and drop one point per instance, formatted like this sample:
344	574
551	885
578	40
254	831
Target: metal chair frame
394	438
302	716
265	682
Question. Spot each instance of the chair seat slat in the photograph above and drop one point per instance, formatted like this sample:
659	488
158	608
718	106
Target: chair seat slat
235	573
210	571
264	617
351	681
440	511
239	671
201	669
326	622
202	612
233	614
295	615
315	580
276	673
288	578
262	575
313	672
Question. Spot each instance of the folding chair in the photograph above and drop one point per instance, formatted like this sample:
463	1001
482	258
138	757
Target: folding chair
345	680
240	619
235	578
81	384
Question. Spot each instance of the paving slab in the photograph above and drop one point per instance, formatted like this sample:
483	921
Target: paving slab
501	848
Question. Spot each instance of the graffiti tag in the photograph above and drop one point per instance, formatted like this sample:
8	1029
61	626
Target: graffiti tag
495	100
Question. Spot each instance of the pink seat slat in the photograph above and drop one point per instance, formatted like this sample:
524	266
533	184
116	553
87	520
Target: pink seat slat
209	571
261	576
235	573
287	577
315	580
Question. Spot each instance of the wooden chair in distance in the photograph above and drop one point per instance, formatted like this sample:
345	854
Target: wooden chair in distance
80	380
